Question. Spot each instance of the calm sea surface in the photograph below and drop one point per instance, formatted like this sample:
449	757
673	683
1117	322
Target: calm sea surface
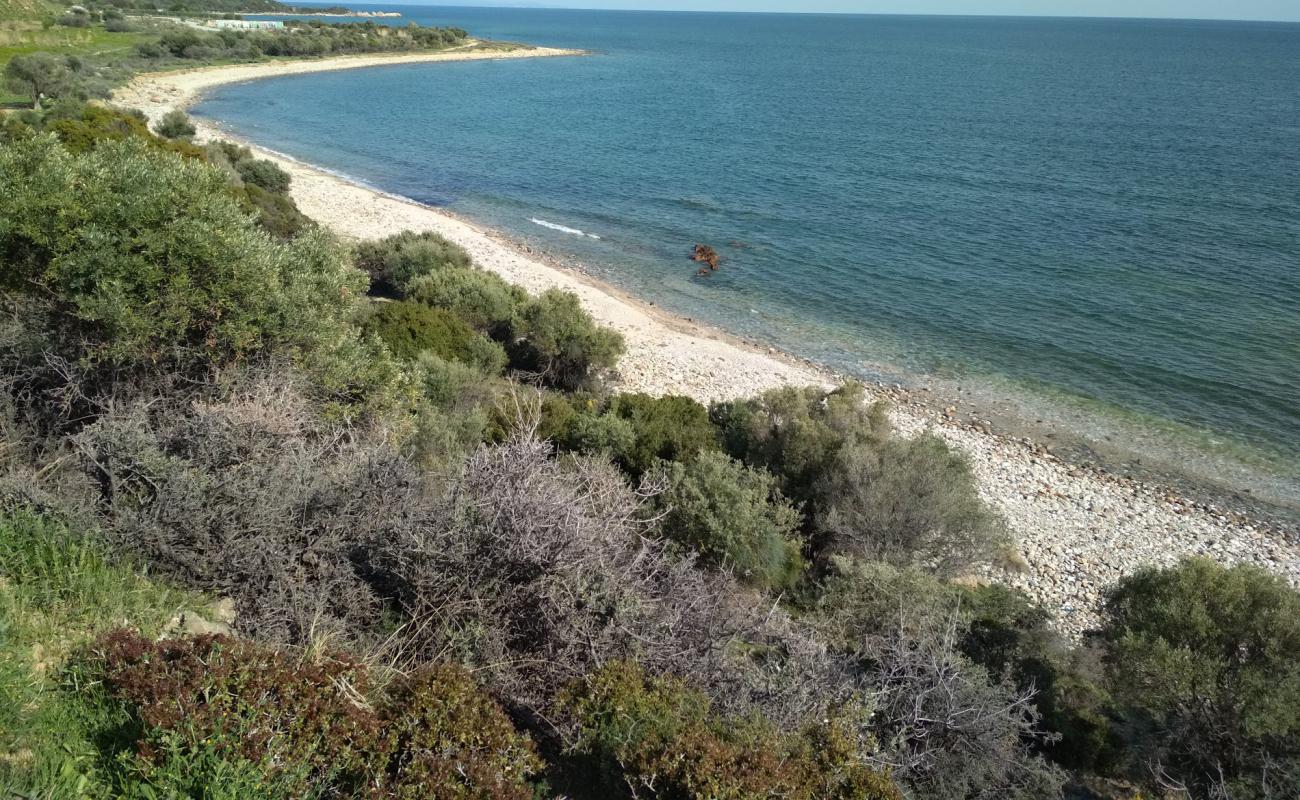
1095	223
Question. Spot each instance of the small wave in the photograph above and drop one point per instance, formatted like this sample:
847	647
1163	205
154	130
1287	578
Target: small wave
561	228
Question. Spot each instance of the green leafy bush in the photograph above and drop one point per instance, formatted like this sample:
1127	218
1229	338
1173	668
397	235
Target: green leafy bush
796	433
81	127
734	517
277	214
1204	662
135	258
264	174
563	344
599	434
865	492
409	329
908	502
671	428
175	124
656	737
481	298
393	263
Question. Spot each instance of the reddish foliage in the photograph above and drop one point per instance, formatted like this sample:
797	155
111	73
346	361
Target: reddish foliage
436	734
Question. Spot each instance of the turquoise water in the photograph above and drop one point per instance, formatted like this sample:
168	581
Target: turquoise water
1101	214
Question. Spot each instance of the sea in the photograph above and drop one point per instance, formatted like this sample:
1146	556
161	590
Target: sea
1087	227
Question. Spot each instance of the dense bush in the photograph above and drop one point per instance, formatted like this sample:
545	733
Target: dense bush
562	343
670	428
252	496
293	726
453	740
865	491
950	728
537	570
992	628
393	263
796	433
907	501
1204	662
298	38
263	174
81	127
125	259
409	329
175	124
481	298
734	517
656	737
277	214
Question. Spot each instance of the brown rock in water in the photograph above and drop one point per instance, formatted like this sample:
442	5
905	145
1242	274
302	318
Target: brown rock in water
706	254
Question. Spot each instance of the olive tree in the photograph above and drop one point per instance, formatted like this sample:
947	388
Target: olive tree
39	76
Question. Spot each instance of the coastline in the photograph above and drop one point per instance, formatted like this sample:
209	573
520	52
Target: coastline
1077	528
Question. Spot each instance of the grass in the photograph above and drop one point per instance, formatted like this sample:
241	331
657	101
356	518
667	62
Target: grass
18	38
57	592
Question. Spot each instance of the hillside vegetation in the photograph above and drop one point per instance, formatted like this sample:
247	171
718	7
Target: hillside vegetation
79	53
287	517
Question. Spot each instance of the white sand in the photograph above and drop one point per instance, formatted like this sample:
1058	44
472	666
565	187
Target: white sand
1077	530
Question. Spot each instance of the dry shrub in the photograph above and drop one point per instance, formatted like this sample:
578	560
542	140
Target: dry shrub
252	497
948	729
538	570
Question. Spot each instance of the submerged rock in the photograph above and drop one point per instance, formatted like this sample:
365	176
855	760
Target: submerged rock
707	255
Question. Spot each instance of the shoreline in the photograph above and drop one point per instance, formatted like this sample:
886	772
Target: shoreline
1077	527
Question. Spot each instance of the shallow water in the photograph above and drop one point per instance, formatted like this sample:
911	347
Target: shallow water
1096	220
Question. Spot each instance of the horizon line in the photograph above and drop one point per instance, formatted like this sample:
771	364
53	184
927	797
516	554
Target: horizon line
974	14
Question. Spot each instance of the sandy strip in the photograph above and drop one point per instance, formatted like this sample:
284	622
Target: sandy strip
1077	530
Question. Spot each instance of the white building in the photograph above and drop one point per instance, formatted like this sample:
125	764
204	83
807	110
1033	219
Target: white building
245	24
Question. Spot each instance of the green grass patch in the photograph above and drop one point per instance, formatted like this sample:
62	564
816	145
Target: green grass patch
57	592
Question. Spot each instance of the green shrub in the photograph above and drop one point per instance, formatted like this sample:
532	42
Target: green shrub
864	491
796	433
671	428
481	298
175	124
656	737
277	214
393	263
81	127
264	174
409	329
462	400
908	502
735	518
136	258
1204	662
563	344
455	741
599	434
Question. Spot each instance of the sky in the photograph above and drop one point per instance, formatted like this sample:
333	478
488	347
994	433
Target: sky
1288	10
